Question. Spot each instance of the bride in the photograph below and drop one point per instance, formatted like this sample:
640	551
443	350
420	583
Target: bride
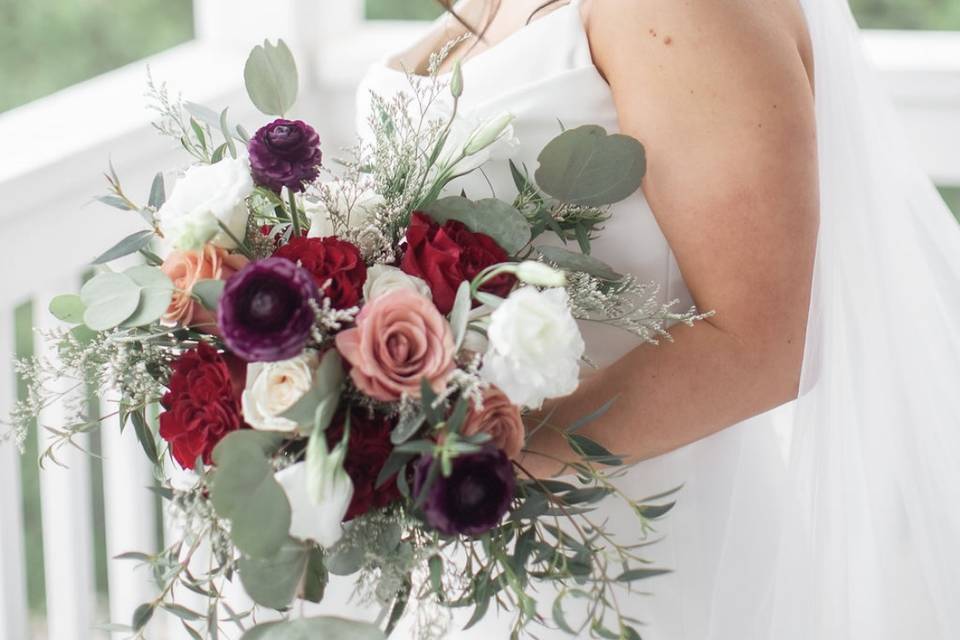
781	196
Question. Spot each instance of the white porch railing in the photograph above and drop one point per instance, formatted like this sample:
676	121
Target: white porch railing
54	152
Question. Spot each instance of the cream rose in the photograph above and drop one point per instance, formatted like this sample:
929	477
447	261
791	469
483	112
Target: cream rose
382	279
534	347
205	197
274	387
316	512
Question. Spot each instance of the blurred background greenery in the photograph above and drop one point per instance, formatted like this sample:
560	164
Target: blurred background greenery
46	45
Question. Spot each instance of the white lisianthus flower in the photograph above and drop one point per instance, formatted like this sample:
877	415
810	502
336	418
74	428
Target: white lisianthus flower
473	139
357	214
382	279
274	387
317	519
534	347
204	196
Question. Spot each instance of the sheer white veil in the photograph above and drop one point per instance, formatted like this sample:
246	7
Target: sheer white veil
866	528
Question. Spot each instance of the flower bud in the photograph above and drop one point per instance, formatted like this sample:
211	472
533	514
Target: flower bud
540	274
456	81
487	134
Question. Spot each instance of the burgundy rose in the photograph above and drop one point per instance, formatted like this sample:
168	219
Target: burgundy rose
474	498
446	255
284	153
367	451
334	263
201	405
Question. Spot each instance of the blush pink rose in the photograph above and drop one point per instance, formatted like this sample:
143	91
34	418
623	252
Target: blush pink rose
499	418
400	338
185	269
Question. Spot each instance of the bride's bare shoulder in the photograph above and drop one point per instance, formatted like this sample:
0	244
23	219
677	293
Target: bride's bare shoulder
663	33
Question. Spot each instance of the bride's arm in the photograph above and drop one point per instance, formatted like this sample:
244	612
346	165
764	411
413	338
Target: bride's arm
718	93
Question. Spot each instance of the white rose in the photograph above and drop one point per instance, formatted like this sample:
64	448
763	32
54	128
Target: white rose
356	214
317	512
274	387
204	195
534	347
382	279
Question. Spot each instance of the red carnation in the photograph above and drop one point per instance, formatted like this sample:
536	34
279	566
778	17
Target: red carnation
446	255
334	263
201	405
367	451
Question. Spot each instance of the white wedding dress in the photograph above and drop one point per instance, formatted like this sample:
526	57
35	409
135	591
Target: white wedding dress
834	518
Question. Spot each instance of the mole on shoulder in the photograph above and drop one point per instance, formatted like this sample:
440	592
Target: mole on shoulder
668	41
653	33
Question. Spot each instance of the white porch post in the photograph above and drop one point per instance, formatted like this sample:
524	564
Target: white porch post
67	513
129	515
13	584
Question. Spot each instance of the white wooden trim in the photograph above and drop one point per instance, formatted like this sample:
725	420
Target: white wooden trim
13	583
129	516
67	512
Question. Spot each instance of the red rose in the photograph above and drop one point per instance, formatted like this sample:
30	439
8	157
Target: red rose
367	451
444	256
334	263
201	405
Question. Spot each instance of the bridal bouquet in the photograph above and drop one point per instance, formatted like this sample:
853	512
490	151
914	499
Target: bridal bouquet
344	362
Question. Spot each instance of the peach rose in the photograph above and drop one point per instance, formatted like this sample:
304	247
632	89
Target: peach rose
400	338
500	418
185	269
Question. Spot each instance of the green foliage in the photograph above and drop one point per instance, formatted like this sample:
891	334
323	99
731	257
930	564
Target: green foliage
270	76
47	45
272	581
324	628
588	167
245	492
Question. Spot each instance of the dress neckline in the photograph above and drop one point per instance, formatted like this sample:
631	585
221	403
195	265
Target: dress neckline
508	41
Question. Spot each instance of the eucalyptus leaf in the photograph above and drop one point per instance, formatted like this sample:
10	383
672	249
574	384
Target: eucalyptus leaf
345	560
131	244
273	581
586	166
225	129
156	292
142	615
407	426
209	292
115	201
158	194
316	577
110	298
271	79
68	308
204	114
495	218
460	314
632	575
145	435
593	450
573	261
322	628
245	492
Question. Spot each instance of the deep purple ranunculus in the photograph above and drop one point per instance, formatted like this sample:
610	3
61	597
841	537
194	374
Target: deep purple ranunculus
264	313
284	153
474	498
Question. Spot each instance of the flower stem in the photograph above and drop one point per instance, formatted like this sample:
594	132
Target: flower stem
294	214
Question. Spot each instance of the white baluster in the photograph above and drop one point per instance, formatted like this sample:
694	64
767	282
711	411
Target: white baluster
129	514
67	513
13	585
